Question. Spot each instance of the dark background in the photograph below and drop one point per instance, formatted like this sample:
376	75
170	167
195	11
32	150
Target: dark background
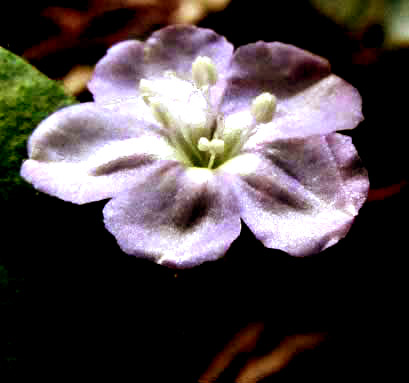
95	312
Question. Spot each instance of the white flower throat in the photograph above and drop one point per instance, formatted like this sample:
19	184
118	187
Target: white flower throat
195	129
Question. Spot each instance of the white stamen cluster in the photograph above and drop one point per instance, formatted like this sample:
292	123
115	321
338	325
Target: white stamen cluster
184	107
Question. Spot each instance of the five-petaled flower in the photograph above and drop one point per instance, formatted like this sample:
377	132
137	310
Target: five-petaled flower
188	138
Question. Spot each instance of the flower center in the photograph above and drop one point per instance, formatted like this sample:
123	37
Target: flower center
182	105
215	146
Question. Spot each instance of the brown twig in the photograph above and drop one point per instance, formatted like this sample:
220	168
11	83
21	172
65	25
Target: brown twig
258	368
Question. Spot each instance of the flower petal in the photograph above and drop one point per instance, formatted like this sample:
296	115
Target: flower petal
174	48
310	100
178	217
116	75
87	153
301	196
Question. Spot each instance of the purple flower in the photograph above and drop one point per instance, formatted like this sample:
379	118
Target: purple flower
187	138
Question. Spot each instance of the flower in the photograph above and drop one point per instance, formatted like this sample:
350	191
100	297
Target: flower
187	139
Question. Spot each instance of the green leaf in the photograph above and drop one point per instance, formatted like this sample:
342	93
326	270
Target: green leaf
26	98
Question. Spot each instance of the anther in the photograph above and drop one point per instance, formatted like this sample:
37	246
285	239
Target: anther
204	72
215	146
263	107
204	144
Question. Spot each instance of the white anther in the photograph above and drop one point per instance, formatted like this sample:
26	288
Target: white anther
204	144
263	107
214	146
204	72
217	146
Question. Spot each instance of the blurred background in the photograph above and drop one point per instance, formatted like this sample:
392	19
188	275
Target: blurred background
257	314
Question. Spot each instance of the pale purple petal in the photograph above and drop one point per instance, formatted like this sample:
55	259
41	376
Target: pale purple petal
86	153
116	76
176	47
178	217
310	100
173	48
300	195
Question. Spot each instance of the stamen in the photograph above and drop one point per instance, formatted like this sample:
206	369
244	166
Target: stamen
204	72
219	126
211	160
263	107
204	144
160	112
215	146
